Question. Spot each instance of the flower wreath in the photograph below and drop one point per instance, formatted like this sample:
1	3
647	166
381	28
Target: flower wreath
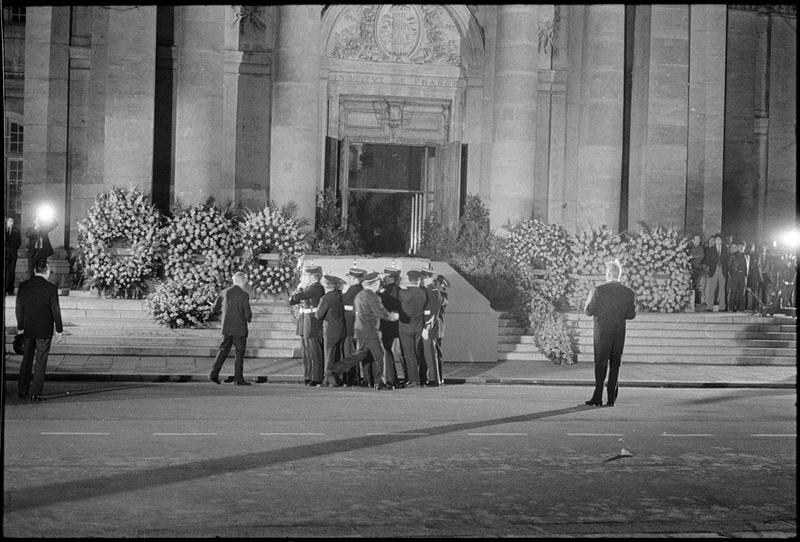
590	251
272	231
656	266
534	243
122	218
203	250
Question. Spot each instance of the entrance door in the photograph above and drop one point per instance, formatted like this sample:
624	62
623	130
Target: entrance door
386	189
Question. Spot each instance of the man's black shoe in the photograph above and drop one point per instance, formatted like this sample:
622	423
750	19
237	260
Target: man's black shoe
382	386
242	383
230	379
431	384
609	404
36	398
412	385
592	402
214	379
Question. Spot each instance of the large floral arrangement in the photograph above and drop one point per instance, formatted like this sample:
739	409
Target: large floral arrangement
548	326
590	250
119	242
656	266
177	304
204	248
272	231
533	245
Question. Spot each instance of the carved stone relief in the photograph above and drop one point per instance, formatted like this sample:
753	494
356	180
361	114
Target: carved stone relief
403	33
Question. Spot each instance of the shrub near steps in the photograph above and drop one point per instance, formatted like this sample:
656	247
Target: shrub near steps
117	327
687	338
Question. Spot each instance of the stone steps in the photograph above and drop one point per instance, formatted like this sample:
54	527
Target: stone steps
686	338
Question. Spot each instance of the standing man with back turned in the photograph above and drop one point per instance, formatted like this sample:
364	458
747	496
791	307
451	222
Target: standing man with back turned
610	304
236	313
38	310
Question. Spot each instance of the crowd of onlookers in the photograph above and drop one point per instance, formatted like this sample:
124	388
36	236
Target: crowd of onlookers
737	276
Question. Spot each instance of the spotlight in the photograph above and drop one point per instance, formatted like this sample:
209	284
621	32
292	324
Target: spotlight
791	239
45	213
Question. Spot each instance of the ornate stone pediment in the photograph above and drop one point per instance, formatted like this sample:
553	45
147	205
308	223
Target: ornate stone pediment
404	33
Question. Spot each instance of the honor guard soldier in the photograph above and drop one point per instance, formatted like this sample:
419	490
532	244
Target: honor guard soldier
390	330
441	284
431	330
307	295
354	277
331	313
368	311
413	301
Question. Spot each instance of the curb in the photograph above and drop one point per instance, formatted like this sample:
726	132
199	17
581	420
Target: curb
296	379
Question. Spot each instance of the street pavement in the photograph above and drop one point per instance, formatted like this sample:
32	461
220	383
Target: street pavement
501	372
143	459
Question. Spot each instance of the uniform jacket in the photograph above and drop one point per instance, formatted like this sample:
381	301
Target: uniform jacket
440	319
390	297
369	312
309	299
235	305
413	301
38	309
331	313
712	257
433	309
348	300
611	305
736	266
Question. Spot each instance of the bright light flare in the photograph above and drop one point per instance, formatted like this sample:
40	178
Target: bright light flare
791	239
46	213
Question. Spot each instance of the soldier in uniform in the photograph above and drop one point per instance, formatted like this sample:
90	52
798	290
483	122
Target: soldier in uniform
331	312
390	330
307	295
441	284
413	300
431	330
354	277
368	311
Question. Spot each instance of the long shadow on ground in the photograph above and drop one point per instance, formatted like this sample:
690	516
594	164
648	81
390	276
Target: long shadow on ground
49	494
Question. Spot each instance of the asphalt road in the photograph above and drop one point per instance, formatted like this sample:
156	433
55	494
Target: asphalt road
284	460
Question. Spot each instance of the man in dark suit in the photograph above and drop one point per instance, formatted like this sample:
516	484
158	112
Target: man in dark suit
236	313
38	310
716	261
752	279
307	295
611	304
413	301
13	240
737	277
331	312
39	247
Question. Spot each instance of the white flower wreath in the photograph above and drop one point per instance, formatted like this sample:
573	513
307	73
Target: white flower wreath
272	231
204	248
119	242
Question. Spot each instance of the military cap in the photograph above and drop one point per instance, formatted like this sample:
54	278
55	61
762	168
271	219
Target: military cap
414	275
332	280
392	272
371	277
356	272
312	269
427	272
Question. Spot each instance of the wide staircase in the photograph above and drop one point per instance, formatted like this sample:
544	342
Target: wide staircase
701	338
98	330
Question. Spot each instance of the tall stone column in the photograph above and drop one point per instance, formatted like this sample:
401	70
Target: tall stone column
515	93
295	156
600	118
46	110
199	145
659	113
706	119
130	91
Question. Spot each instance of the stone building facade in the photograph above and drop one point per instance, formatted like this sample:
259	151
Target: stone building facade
583	115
